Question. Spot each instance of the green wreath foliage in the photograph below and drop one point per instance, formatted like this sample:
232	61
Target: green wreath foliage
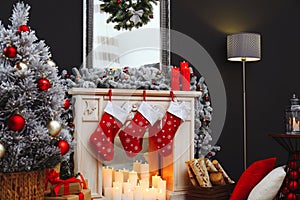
128	13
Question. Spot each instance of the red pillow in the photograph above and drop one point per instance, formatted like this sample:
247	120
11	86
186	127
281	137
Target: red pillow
251	177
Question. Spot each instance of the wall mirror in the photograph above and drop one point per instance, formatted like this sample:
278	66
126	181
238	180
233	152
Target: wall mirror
104	46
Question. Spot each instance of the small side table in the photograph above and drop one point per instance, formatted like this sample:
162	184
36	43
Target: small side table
290	189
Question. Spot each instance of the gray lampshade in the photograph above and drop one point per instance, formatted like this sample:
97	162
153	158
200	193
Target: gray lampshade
243	47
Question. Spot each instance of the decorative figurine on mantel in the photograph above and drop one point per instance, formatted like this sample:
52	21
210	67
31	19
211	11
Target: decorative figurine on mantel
292	116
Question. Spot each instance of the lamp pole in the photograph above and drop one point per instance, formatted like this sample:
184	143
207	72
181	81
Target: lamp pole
244	114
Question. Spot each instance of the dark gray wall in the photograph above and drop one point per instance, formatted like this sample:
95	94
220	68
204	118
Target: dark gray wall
270	82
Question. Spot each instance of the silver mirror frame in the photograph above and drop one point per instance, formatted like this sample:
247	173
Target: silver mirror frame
88	30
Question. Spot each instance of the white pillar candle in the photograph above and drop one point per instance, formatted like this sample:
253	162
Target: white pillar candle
144	184
108	192
144	171
138	193
133	177
117	184
149	194
162	184
155	180
127	196
117	193
106	177
125	175
119	176
161	195
136	166
127	187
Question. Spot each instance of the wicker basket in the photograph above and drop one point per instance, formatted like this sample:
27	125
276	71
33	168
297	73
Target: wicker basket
220	192
22	185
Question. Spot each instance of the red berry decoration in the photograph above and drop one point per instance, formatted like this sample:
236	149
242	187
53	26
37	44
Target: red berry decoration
44	84
293	174
292	164
67	104
23	28
293	185
291	196
64	146
10	52
16	122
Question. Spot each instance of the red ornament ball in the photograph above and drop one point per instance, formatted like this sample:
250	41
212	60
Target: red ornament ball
293	185
292	164
16	122
44	84
64	146
285	190
293	174
67	104
291	196
10	52
67	75
23	28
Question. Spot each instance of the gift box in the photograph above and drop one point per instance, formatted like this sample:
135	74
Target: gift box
84	195
68	188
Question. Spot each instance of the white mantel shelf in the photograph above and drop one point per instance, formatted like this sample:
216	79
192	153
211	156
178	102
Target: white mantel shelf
132	92
88	105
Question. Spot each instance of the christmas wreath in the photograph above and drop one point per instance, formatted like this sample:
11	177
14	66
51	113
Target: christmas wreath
128	13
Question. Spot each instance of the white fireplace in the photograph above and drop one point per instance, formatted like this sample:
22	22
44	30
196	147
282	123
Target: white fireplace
88	106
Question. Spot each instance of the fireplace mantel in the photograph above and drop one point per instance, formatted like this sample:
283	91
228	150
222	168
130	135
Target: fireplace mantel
88	105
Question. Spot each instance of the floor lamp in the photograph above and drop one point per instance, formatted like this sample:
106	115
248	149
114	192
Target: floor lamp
244	47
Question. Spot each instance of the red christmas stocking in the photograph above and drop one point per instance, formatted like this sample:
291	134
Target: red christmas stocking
163	132
102	139
132	135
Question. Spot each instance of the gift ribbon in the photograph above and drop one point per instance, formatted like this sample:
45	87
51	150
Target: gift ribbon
53	177
136	16
81	196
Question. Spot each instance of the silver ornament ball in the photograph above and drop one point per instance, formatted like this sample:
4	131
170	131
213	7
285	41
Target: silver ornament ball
51	63
54	127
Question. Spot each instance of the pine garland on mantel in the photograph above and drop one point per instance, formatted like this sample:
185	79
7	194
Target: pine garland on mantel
128	14
151	78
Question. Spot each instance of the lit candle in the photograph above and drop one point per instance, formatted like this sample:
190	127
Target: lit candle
138	193
161	195
125	174
144	183
127	196
127	186
149	194
155	180
162	186
133	178
106	177
119	177
144	171
117	193
117	184
295	125
185	75
136	167
108	192
175	78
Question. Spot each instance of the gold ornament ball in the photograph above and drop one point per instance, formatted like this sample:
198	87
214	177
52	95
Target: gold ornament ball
51	63
21	66
2	150
54	127
128	23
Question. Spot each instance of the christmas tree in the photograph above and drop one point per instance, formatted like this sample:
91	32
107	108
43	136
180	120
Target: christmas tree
33	133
